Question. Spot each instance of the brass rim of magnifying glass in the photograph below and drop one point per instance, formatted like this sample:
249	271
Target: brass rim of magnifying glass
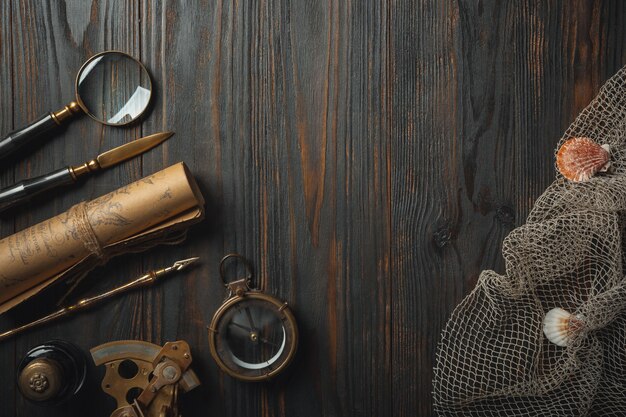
282	307
82	105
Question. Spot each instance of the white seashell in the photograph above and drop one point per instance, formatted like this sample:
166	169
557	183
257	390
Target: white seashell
559	326
581	158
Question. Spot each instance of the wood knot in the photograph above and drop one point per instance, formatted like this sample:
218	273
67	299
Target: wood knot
442	236
505	215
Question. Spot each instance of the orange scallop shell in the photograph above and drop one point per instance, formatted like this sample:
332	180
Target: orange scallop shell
579	159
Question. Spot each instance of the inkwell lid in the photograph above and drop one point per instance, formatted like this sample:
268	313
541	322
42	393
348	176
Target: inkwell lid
41	380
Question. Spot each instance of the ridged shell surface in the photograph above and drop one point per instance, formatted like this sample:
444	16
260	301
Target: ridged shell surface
579	159
559	326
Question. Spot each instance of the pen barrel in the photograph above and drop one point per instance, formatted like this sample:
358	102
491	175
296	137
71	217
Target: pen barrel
27	189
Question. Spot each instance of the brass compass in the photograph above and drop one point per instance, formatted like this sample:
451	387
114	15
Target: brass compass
253	336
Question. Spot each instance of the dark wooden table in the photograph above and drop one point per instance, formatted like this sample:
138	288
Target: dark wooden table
368	157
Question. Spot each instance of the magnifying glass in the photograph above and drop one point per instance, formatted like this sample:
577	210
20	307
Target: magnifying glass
112	88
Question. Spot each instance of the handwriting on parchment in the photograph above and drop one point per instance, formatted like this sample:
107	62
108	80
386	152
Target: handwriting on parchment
107	215
42	239
49	238
33	241
23	246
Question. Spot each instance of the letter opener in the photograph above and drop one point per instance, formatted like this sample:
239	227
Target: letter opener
25	190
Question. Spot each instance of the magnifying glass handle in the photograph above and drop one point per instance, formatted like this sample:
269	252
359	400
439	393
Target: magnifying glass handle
27	189
29	134
36	130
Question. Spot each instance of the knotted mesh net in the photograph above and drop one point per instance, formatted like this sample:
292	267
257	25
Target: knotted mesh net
494	358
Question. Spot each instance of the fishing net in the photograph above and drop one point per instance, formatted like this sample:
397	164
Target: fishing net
494	358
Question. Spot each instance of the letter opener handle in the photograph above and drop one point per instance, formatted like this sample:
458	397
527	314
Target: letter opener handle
27	189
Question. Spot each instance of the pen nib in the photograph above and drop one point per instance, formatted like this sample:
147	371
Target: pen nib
182	264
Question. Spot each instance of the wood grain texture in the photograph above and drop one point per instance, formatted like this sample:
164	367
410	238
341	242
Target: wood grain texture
7	351
368	157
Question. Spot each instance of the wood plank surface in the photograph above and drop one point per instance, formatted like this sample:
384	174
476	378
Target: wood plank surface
368	157
7	352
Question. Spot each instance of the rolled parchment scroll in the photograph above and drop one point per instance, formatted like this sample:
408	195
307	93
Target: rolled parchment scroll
132	218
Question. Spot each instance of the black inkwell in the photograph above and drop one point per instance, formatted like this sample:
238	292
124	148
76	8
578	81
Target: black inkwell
52	373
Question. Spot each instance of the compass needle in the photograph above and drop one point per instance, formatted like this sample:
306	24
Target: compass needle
267	342
240	326
249	315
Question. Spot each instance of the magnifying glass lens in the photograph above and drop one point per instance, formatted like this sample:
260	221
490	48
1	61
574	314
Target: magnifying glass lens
113	88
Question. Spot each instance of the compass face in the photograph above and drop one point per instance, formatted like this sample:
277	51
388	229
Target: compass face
253	337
